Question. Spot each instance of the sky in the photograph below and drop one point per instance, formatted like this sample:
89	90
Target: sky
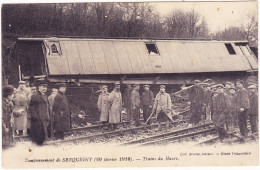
219	15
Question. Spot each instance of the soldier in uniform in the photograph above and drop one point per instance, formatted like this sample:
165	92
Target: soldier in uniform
127	101
221	108
162	108
253	110
61	112
147	103
103	105
115	101
7	117
51	102
21	109
242	104
40	114
136	104
195	97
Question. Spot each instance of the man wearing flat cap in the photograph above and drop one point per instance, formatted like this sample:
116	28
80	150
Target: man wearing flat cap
136	104
242	107
227	87
232	120
162	108
61	112
115	101
39	114
147	102
253	110
103	105
21	109
196	96
221	108
7	116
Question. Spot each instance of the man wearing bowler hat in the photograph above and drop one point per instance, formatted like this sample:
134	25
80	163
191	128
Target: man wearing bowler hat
40	114
147	102
61	112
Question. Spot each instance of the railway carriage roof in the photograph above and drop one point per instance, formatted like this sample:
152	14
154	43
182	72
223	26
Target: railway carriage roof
144	56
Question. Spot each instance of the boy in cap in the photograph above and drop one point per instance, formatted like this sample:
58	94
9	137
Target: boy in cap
242	104
7	116
147	102
227	87
162	108
232	120
136	104
221	107
253	110
115	100
61	112
40	114
103	105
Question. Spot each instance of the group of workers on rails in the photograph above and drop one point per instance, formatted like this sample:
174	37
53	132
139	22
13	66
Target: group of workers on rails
29	110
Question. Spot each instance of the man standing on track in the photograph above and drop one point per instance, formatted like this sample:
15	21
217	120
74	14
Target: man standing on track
147	103
136	104
115	101
103	105
162	108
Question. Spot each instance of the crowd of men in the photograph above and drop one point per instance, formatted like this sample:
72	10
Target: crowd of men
28	109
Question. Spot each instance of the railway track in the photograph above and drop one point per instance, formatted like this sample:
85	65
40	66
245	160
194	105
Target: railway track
106	135
91	128
178	135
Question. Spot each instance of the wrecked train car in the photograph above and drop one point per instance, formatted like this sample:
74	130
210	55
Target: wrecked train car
86	63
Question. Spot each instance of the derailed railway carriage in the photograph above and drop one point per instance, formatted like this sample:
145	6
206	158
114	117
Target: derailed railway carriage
85	63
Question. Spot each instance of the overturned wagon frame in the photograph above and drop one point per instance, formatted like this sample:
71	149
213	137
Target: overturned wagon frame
86	63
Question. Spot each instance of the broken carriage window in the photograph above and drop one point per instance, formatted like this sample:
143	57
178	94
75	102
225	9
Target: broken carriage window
55	48
152	48
230	48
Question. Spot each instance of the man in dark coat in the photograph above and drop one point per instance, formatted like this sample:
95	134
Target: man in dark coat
61	112
253	110
7	117
196	96
243	105
147	102
221	108
40	114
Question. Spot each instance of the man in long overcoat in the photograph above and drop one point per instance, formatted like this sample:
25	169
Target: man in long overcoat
232	118
221	108
7	117
40	114
21	109
127	101
253	110
243	105
147	102
162	108
103	105
61	112
195	97
115	100
136	104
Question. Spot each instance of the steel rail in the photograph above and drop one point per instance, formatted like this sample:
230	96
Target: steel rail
163	135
